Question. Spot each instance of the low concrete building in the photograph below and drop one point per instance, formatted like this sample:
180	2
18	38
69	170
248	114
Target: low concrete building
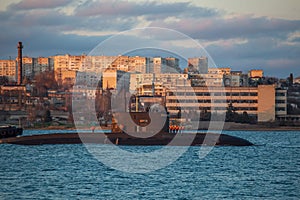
266	103
257	101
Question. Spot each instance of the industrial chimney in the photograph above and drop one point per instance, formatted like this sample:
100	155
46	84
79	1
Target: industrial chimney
20	47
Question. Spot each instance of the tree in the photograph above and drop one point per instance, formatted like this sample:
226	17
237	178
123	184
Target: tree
245	118
230	114
4	80
47	116
44	82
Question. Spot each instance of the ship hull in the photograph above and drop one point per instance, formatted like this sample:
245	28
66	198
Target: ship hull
185	139
10	131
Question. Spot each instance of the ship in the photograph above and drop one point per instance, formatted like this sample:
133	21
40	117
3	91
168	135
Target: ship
135	129
10	131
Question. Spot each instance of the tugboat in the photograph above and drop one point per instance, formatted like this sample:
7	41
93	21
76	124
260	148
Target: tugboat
10	131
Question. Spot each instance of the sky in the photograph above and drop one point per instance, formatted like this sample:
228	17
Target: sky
243	35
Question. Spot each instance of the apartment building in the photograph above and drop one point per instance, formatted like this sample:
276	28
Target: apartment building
8	68
256	73
198	65
97	64
257	101
156	65
42	64
27	67
30	67
280	102
209	80
91	79
173	65
67	77
138	64
66	64
168	80
124	63
115	79
120	63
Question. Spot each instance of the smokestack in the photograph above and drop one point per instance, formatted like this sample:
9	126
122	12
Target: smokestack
20	47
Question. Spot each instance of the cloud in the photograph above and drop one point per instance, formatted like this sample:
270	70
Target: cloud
38	4
238	40
41	42
55	21
236	27
151	9
274	56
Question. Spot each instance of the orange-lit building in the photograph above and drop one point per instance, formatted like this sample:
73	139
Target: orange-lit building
264	101
115	79
66	64
256	73
42	64
8	68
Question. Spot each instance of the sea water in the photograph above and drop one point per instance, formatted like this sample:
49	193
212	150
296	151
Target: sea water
268	170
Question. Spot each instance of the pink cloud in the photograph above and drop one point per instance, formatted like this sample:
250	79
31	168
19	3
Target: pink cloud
151	9
36	4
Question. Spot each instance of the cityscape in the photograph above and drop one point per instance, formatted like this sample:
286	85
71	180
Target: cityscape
41	89
149	99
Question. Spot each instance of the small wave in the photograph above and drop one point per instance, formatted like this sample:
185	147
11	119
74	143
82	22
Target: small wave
292	147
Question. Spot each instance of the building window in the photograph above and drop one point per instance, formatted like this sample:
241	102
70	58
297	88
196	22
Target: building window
280	109
253	94
280	94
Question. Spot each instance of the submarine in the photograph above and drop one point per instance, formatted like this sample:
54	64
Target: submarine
140	130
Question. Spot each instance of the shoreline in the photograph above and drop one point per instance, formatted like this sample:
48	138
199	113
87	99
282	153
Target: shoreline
289	128
228	126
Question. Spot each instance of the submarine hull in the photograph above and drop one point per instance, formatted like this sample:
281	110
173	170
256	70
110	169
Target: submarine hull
171	139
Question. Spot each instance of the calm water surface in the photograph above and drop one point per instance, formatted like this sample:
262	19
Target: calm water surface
270	170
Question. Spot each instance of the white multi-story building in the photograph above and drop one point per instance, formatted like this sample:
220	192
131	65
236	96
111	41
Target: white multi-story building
138	80
42	64
209	80
156	65
99	64
198	65
27	67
